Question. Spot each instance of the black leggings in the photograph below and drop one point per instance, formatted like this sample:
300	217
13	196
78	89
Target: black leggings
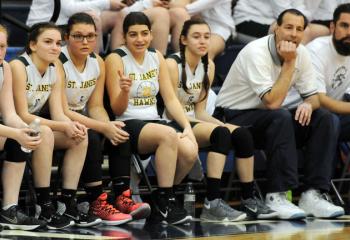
119	159
92	170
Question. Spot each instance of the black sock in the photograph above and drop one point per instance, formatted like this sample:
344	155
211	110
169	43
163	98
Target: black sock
177	188
93	192
166	192
247	189
120	184
42	195
67	196
213	188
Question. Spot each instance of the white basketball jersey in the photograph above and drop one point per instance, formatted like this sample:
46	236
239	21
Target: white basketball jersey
79	85
145	86
194	85
38	87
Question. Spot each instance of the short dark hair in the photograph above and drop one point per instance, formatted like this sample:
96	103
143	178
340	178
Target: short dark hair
80	17
294	12
135	18
342	8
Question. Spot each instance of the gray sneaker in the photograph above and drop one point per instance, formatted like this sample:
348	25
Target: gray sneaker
219	211
257	209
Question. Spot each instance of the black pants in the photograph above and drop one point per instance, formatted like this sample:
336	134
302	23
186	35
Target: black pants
344	135
280	135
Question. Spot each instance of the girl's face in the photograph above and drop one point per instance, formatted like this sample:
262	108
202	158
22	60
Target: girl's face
138	38
3	46
82	39
48	45
197	39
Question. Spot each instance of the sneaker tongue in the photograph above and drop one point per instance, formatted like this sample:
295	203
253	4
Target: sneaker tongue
127	193
103	196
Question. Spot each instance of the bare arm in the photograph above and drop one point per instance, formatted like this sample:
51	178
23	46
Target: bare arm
168	94
99	120
89	122
118	96
8	111
14	127
19	92
200	107
334	105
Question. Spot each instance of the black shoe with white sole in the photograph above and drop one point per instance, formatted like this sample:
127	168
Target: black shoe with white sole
168	211
14	218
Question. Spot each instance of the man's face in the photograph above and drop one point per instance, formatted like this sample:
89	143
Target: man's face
291	29
341	34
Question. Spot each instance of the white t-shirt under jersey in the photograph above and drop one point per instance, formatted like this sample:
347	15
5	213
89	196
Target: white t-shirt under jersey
194	85
38	87
255	71
145	86
79	85
332	69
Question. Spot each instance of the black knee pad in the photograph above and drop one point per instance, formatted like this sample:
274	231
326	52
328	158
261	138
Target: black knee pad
14	152
242	142
219	139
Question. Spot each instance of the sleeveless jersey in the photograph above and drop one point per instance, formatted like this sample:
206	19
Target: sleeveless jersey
79	85
38	88
145	86
194	85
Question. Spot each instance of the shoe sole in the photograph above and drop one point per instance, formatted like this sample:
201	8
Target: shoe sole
334	215
71	223
267	216
140	213
117	222
20	227
212	218
293	217
90	224
185	220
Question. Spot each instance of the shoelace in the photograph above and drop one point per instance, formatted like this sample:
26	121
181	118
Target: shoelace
283	199
55	217
260	203
326	197
127	201
13	210
225	205
109	208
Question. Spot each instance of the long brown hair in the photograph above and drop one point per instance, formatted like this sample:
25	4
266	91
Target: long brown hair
205	60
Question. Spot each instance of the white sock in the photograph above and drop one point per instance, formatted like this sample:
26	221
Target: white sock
8	206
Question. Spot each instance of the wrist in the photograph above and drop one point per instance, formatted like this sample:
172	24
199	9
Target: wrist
187	125
63	126
289	62
105	128
15	134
